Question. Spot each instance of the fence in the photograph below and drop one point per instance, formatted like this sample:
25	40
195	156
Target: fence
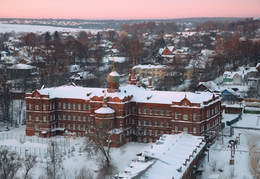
229	123
34	146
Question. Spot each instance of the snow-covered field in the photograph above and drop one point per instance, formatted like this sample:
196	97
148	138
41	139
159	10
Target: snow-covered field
39	29
219	154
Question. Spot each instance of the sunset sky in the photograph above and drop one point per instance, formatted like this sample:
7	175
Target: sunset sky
128	9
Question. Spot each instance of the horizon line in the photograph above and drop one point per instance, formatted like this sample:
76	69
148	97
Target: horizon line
125	19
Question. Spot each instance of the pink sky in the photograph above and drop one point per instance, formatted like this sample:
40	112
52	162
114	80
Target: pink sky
128	9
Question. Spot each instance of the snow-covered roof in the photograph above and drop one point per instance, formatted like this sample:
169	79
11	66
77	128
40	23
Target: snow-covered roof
150	66
115	59
230	74
105	110
83	75
22	66
74	68
210	85
169	155
140	94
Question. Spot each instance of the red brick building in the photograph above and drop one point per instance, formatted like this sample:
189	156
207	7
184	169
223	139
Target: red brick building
131	112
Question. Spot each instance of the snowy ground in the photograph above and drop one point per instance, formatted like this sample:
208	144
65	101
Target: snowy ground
39	29
219	154
246	154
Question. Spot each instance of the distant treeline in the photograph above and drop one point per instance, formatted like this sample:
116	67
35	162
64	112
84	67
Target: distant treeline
116	24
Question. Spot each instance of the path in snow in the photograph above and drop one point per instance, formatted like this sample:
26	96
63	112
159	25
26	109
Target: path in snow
253	145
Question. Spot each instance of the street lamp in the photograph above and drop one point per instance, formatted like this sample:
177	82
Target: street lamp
239	138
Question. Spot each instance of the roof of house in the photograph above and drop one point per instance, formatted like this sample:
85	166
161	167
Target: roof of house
139	94
168	154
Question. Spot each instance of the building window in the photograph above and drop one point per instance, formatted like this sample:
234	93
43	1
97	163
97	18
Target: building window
84	107
36	107
89	107
194	130
64	117
162	124
50	117
74	118
194	116
176	128
167	112
144	110
161	133
155	133
74	106
44	107
176	115
44	118
36	118
79	106
59	117
185	116
69	106
69	117
89	119
202	128
150	133
133	121
156	111
59	105
139	122
100	124
84	118
151	111
212	112
144	122
64	106
156	123
162	112
79	118
168	124
151	123
30	106
144	131
185	129
36	127
139	110
50	107
53	106
144	140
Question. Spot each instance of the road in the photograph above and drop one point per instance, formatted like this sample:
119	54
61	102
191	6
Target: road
254	148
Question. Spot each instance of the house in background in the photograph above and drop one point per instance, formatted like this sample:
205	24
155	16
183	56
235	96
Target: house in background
208	86
232	77
229	95
15	71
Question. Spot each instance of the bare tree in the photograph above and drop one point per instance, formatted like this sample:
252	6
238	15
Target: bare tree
5	99
54	165
10	164
85	173
99	143
29	163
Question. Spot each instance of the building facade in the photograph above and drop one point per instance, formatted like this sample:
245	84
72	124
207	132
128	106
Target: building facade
129	113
